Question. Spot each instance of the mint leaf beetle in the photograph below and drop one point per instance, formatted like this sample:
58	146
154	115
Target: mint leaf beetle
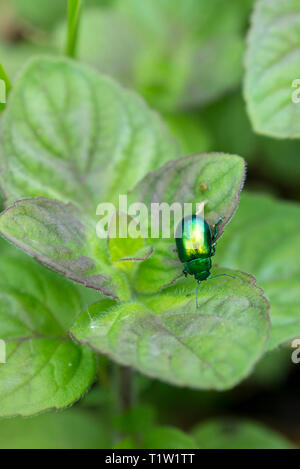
196	244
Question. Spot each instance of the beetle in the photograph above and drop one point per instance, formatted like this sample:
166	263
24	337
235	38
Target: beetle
196	244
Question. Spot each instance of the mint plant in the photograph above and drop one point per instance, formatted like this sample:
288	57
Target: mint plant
78	309
60	231
45	369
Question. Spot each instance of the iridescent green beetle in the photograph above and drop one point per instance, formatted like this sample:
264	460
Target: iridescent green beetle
196	244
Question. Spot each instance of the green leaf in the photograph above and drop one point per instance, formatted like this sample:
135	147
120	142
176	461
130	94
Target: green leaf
127	443
44	369
271	68
237	434
214	178
73	135
263	239
63	148
63	238
168	438
165	336
71	429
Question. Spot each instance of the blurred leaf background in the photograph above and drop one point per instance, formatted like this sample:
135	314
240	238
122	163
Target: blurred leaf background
186	59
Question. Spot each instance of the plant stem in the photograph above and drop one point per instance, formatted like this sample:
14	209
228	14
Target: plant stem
126	391
122	379
74	10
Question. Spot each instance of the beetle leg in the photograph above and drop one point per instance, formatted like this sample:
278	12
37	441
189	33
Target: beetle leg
213	250
215	228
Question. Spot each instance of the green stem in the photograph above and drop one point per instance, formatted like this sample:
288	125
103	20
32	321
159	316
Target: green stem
122	384
122	379
126	391
74	10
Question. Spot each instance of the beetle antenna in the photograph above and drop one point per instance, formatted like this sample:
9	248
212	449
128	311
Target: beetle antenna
222	275
197	290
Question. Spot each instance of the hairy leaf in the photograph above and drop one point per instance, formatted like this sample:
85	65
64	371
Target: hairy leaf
263	239
165	336
73	135
44	369
272	66
63	238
